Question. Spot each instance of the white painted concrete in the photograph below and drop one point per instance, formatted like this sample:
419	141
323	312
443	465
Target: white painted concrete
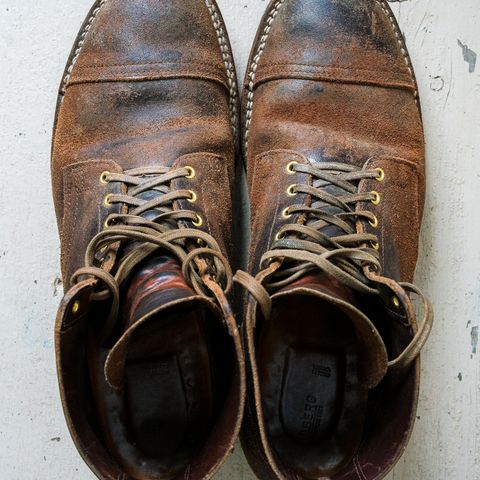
35	39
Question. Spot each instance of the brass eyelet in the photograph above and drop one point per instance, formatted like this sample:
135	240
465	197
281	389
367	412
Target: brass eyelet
75	307
290	169
278	237
191	172
193	196
376	197
107	223
286	214
291	190
106	201
396	301
381	174
201	243
103	177
198	222
374	222
375	245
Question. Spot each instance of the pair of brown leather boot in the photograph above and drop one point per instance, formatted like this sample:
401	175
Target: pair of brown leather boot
152	368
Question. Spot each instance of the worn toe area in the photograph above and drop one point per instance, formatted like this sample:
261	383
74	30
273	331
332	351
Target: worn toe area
341	40
148	39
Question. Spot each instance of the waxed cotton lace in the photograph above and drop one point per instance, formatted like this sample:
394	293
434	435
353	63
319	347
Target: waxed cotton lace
325	238
147	225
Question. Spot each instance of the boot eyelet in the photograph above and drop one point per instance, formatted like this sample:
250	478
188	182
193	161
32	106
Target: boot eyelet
198	222
75	307
193	196
106	201
108	222
381	174
201	243
286	214
278	237
375	245
291	190
376	197
191	172
103	177
396	301
290	168
374	222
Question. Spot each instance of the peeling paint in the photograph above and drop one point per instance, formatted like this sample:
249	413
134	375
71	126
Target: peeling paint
469	56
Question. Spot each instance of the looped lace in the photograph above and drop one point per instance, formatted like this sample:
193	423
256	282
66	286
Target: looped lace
150	223
326	239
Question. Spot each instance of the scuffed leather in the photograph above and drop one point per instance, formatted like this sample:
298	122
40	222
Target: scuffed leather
147	83
331	80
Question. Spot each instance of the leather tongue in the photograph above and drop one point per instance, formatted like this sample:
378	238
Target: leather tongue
154	286
374	357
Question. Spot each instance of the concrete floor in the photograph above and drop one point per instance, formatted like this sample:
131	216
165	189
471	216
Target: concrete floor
35	39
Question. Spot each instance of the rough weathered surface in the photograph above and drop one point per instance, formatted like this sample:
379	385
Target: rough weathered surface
35	39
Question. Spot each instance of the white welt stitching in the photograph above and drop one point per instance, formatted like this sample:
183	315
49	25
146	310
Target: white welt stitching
401	43
253	70
228	61
80	44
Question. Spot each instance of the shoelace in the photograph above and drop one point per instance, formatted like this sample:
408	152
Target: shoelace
346	255
203	265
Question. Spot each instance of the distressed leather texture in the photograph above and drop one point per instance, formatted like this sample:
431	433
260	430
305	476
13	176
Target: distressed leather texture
331	81
148	83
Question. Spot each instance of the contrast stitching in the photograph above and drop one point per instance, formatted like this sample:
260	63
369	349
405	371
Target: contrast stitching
401	43
81	42
358	468
253	70
228	61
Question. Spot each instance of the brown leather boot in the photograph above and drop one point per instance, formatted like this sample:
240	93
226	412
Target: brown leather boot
335	156
150	364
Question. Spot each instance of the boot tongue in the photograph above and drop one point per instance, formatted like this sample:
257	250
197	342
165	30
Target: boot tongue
156	284
374	357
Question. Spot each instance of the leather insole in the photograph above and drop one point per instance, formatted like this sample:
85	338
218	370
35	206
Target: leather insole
164	414
314	405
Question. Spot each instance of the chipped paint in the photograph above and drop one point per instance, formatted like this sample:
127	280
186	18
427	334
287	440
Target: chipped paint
469	56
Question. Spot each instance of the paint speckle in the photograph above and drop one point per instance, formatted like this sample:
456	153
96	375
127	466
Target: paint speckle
55	439
469	56
437	83
474	339
460	377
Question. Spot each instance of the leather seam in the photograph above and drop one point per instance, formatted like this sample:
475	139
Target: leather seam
253	68
80	44
315	67
229	65
401	43
144	64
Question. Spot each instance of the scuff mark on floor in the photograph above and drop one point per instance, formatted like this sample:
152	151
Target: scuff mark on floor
474	339
468	55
